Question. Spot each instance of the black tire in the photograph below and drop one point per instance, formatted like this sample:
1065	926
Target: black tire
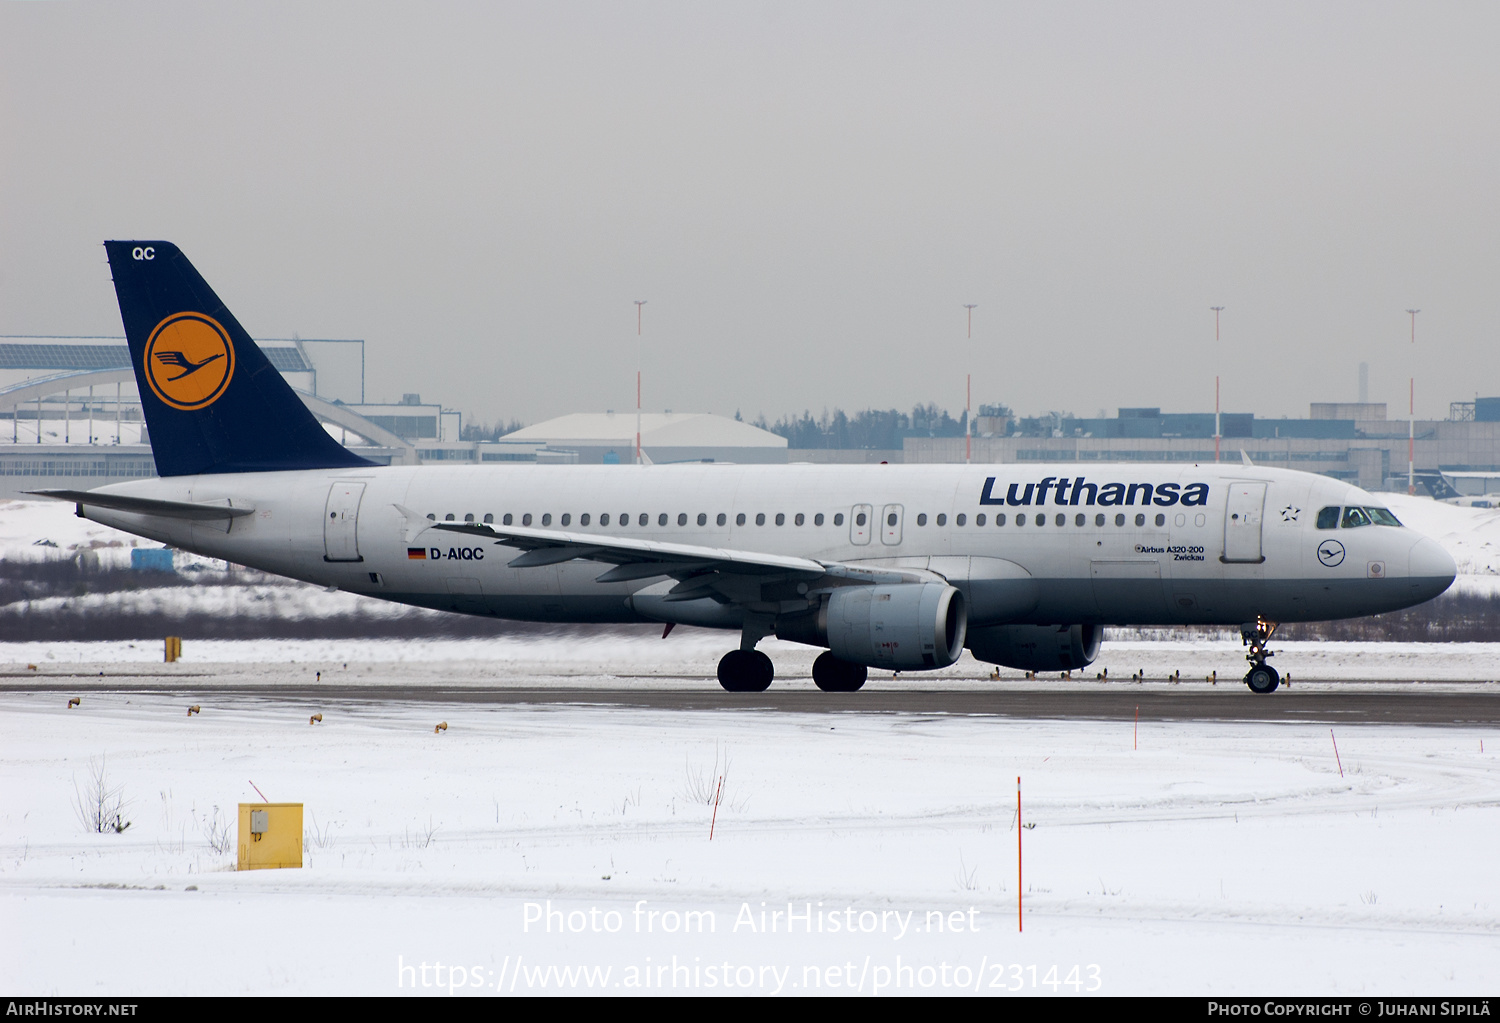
1262	679
835	675
746	671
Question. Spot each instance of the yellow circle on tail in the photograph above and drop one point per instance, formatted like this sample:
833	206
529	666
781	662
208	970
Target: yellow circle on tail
189	360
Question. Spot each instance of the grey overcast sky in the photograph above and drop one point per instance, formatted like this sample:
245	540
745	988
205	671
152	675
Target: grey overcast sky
805	194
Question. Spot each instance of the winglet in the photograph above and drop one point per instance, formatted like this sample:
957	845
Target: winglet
1246	457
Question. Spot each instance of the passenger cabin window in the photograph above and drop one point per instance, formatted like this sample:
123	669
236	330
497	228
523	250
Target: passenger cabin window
942	519
739	520
960	520
682	519
583	519
546	518
431	517
799	519
565	520
448	517
722	519
818	519
979	519
645	519
526	519
1000	519
1161	520
468	516
1354	517
780	519
922	519
703	519
1328	518
661	520
838	518
489	517
507	520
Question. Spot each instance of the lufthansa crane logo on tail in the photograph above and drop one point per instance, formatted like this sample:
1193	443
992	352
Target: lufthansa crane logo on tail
189	361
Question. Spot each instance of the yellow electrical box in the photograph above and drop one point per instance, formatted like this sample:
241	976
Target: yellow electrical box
270	835
173	648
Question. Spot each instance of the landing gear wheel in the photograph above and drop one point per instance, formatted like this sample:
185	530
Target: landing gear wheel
835	675
1262	679
746	671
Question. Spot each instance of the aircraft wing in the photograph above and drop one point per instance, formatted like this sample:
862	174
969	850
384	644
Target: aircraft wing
703	571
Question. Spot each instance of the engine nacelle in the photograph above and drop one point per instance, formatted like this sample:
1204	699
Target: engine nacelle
1037	647
904	626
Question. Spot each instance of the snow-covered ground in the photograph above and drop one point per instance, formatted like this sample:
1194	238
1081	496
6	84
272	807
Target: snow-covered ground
1212	859
1215	858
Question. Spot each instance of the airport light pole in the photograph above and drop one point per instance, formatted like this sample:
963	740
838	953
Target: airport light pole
639	358
1217	310
969	388
1411	411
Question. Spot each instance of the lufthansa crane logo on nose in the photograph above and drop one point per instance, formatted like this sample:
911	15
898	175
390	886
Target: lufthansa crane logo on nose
189	361
1331	553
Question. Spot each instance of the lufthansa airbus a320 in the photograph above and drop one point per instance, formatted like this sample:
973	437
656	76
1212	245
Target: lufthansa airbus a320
899	567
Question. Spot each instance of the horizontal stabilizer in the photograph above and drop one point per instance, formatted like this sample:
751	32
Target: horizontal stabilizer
195	510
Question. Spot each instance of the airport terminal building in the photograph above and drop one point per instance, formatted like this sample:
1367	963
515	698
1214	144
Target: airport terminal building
70	418
1351	441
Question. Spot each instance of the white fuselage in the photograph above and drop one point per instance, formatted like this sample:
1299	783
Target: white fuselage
1100	543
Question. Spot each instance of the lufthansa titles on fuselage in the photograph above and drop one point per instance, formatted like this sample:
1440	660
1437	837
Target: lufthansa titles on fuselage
1069	491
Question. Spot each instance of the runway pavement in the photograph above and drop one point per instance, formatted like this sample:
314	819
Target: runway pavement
1361	702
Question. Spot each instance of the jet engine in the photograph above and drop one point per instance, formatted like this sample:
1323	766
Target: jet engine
904	626
1037	647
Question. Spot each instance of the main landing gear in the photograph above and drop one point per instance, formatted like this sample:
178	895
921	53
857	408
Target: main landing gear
1261	678
833	675
746	671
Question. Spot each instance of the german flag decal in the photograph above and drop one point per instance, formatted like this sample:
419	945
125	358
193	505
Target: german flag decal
416	553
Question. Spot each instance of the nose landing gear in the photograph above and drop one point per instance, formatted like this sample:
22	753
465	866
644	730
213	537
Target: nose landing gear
1261	678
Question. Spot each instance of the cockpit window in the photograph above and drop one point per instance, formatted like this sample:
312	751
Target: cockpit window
1382	517
1354	517
1328	518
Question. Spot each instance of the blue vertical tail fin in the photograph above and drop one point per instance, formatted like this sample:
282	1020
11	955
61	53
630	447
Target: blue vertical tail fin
212	400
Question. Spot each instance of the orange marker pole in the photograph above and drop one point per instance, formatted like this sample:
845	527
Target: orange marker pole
1336	753
1135	736
717	793
1019	831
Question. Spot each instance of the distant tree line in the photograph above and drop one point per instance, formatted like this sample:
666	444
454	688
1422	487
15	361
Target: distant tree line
475	430
879	429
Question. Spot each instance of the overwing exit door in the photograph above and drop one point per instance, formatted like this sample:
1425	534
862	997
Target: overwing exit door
890	525
859	523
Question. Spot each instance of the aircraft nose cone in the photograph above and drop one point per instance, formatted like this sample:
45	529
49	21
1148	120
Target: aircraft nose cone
1432	569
